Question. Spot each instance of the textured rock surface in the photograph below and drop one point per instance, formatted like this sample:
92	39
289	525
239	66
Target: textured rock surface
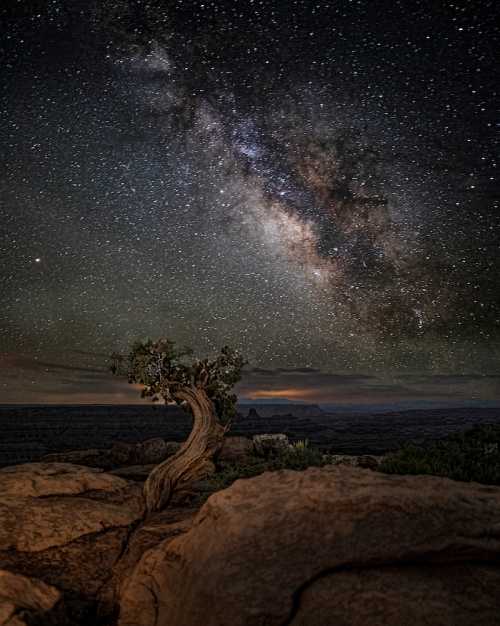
161	527
269	550
121	454
133	472
269	444
365	460
23	598
151	451
65	524
47	479
91	458
47	505
449	595
235	450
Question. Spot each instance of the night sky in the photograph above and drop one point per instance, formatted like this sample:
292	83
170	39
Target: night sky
314	183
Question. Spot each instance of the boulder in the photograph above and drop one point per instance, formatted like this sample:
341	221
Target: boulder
134	472
41	480
235	450
194	494
91	458
65	524
332	545
123	453
270	444
24	600
161	527
367	461
449	595
152	451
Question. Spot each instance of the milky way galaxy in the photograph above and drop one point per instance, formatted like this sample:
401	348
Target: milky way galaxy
311	182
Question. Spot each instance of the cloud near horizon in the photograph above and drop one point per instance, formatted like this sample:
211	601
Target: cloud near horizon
25	380
325	388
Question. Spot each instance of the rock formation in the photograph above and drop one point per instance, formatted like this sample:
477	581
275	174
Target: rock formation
65	524
121	454
268	445
235	450
336	545
26	600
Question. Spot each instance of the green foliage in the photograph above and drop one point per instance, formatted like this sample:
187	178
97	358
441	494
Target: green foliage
298	457
473	455
163	370
227	473
300	444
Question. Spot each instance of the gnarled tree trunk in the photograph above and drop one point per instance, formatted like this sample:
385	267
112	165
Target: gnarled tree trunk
193	460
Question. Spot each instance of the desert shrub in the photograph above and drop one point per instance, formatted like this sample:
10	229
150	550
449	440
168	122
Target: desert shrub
227	473
473	455
298	456
300	444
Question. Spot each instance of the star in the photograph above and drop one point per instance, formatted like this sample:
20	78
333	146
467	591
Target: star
219	175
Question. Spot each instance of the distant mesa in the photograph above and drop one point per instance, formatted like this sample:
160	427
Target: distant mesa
268	410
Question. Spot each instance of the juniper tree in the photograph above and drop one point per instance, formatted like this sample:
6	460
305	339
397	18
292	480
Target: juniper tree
203	387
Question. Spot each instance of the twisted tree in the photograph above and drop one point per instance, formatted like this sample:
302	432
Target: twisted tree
203	387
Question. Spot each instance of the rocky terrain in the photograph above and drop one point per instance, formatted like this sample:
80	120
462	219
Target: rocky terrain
326	546
340	544
30	433
337	545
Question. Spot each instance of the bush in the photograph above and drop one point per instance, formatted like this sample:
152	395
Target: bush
473	455
298	456
227	473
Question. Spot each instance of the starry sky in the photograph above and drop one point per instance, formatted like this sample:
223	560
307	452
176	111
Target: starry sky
312	182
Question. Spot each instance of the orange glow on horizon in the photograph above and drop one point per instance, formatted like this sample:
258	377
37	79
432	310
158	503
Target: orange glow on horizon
291	393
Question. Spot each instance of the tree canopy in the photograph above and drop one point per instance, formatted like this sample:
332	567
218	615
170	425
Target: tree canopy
165	369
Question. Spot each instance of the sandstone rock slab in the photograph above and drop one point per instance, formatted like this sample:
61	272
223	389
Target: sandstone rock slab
415	594
23	598
37	480
65	524
257	551
162	526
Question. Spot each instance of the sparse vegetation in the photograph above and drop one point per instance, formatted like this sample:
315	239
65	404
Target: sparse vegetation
298	456
473	455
